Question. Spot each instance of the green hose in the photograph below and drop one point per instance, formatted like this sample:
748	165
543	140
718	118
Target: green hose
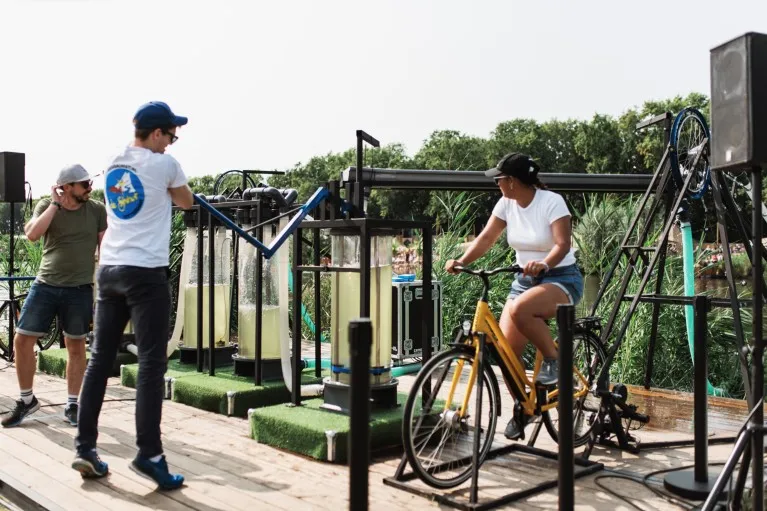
689	290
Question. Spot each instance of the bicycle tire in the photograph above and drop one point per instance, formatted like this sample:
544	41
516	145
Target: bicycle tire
596	345
676	170
407	439
4	346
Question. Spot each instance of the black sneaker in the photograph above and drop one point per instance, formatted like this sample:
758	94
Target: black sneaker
20	412
515	430
70	414
549	373
90	465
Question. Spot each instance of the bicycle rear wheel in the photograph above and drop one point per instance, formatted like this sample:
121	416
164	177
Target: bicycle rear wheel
588	357
438	441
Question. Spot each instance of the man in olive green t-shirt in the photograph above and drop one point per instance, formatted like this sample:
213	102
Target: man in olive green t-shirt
71	226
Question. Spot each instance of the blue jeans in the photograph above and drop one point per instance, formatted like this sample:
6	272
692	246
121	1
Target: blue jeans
143	296
567	278
73	306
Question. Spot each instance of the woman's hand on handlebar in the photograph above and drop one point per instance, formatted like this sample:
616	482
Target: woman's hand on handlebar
452	265
535	268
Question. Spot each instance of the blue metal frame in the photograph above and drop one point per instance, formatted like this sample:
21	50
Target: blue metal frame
269	251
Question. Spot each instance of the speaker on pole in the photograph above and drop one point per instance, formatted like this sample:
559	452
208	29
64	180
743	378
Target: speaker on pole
739	103
12	177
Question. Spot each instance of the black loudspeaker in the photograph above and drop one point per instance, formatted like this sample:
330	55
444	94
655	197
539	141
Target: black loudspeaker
12	177
739	103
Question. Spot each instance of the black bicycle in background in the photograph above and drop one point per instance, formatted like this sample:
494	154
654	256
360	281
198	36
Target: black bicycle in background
10	310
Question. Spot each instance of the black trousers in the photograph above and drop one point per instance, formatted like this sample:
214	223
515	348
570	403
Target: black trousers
143	296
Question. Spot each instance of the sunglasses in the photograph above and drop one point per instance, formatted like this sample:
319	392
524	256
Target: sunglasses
173	137
498	179
85	184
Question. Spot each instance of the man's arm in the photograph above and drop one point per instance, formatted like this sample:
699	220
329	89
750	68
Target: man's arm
41	220
182	196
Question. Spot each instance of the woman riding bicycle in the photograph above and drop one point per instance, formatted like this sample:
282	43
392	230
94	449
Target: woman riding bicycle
537	224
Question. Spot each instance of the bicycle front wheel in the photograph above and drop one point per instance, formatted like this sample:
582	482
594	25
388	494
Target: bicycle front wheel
438	438
689	134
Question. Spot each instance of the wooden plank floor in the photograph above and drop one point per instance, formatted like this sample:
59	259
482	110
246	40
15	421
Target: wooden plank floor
226	470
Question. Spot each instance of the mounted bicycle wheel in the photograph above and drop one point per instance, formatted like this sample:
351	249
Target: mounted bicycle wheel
438	441
588	357
688	139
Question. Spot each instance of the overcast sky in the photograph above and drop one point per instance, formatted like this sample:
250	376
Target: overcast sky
268	84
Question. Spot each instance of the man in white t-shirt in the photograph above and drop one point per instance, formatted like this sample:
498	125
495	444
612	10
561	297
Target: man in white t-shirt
140	186
537	224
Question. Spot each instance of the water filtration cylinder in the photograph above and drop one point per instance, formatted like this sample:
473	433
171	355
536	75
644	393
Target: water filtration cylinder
221	288
345	304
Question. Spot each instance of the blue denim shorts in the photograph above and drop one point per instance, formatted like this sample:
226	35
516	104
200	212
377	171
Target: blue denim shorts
567	278
73	306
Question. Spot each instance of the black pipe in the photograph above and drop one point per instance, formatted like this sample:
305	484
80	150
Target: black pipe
211	304
290	194
477	181
565	320
757	378
266	191
200	276
360	340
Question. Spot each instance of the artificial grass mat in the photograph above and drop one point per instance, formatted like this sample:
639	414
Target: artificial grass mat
213	393
303	429
54	361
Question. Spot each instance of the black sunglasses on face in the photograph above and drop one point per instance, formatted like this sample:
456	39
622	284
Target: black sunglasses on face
173	137
498	179
85	184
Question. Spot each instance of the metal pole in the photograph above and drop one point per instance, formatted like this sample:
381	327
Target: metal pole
211	298
427	325
565	320
200	277
259	300
474	490
317	307
360	340
757	378
696	484
700	305
12	313
295	397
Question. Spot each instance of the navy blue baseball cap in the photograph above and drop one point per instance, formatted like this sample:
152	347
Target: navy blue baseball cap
156	114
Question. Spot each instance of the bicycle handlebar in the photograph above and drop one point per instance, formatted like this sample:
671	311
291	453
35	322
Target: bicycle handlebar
481	273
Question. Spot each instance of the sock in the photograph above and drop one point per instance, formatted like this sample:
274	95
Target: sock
26	396
155	459
71	400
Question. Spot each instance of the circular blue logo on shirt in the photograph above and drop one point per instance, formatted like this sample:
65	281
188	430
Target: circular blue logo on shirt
124	193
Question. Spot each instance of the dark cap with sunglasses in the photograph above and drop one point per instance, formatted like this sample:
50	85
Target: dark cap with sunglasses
516	165
157	114
72	174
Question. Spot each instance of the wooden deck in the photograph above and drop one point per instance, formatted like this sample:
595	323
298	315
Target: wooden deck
226	470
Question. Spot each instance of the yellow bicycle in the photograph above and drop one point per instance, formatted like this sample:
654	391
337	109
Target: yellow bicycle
438	426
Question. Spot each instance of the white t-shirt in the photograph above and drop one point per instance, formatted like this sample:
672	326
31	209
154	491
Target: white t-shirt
139	207
528	230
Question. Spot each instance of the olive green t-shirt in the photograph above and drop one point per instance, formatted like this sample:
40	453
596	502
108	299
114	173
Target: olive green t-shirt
69	245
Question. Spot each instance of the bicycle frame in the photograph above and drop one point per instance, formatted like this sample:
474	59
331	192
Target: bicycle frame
513	371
